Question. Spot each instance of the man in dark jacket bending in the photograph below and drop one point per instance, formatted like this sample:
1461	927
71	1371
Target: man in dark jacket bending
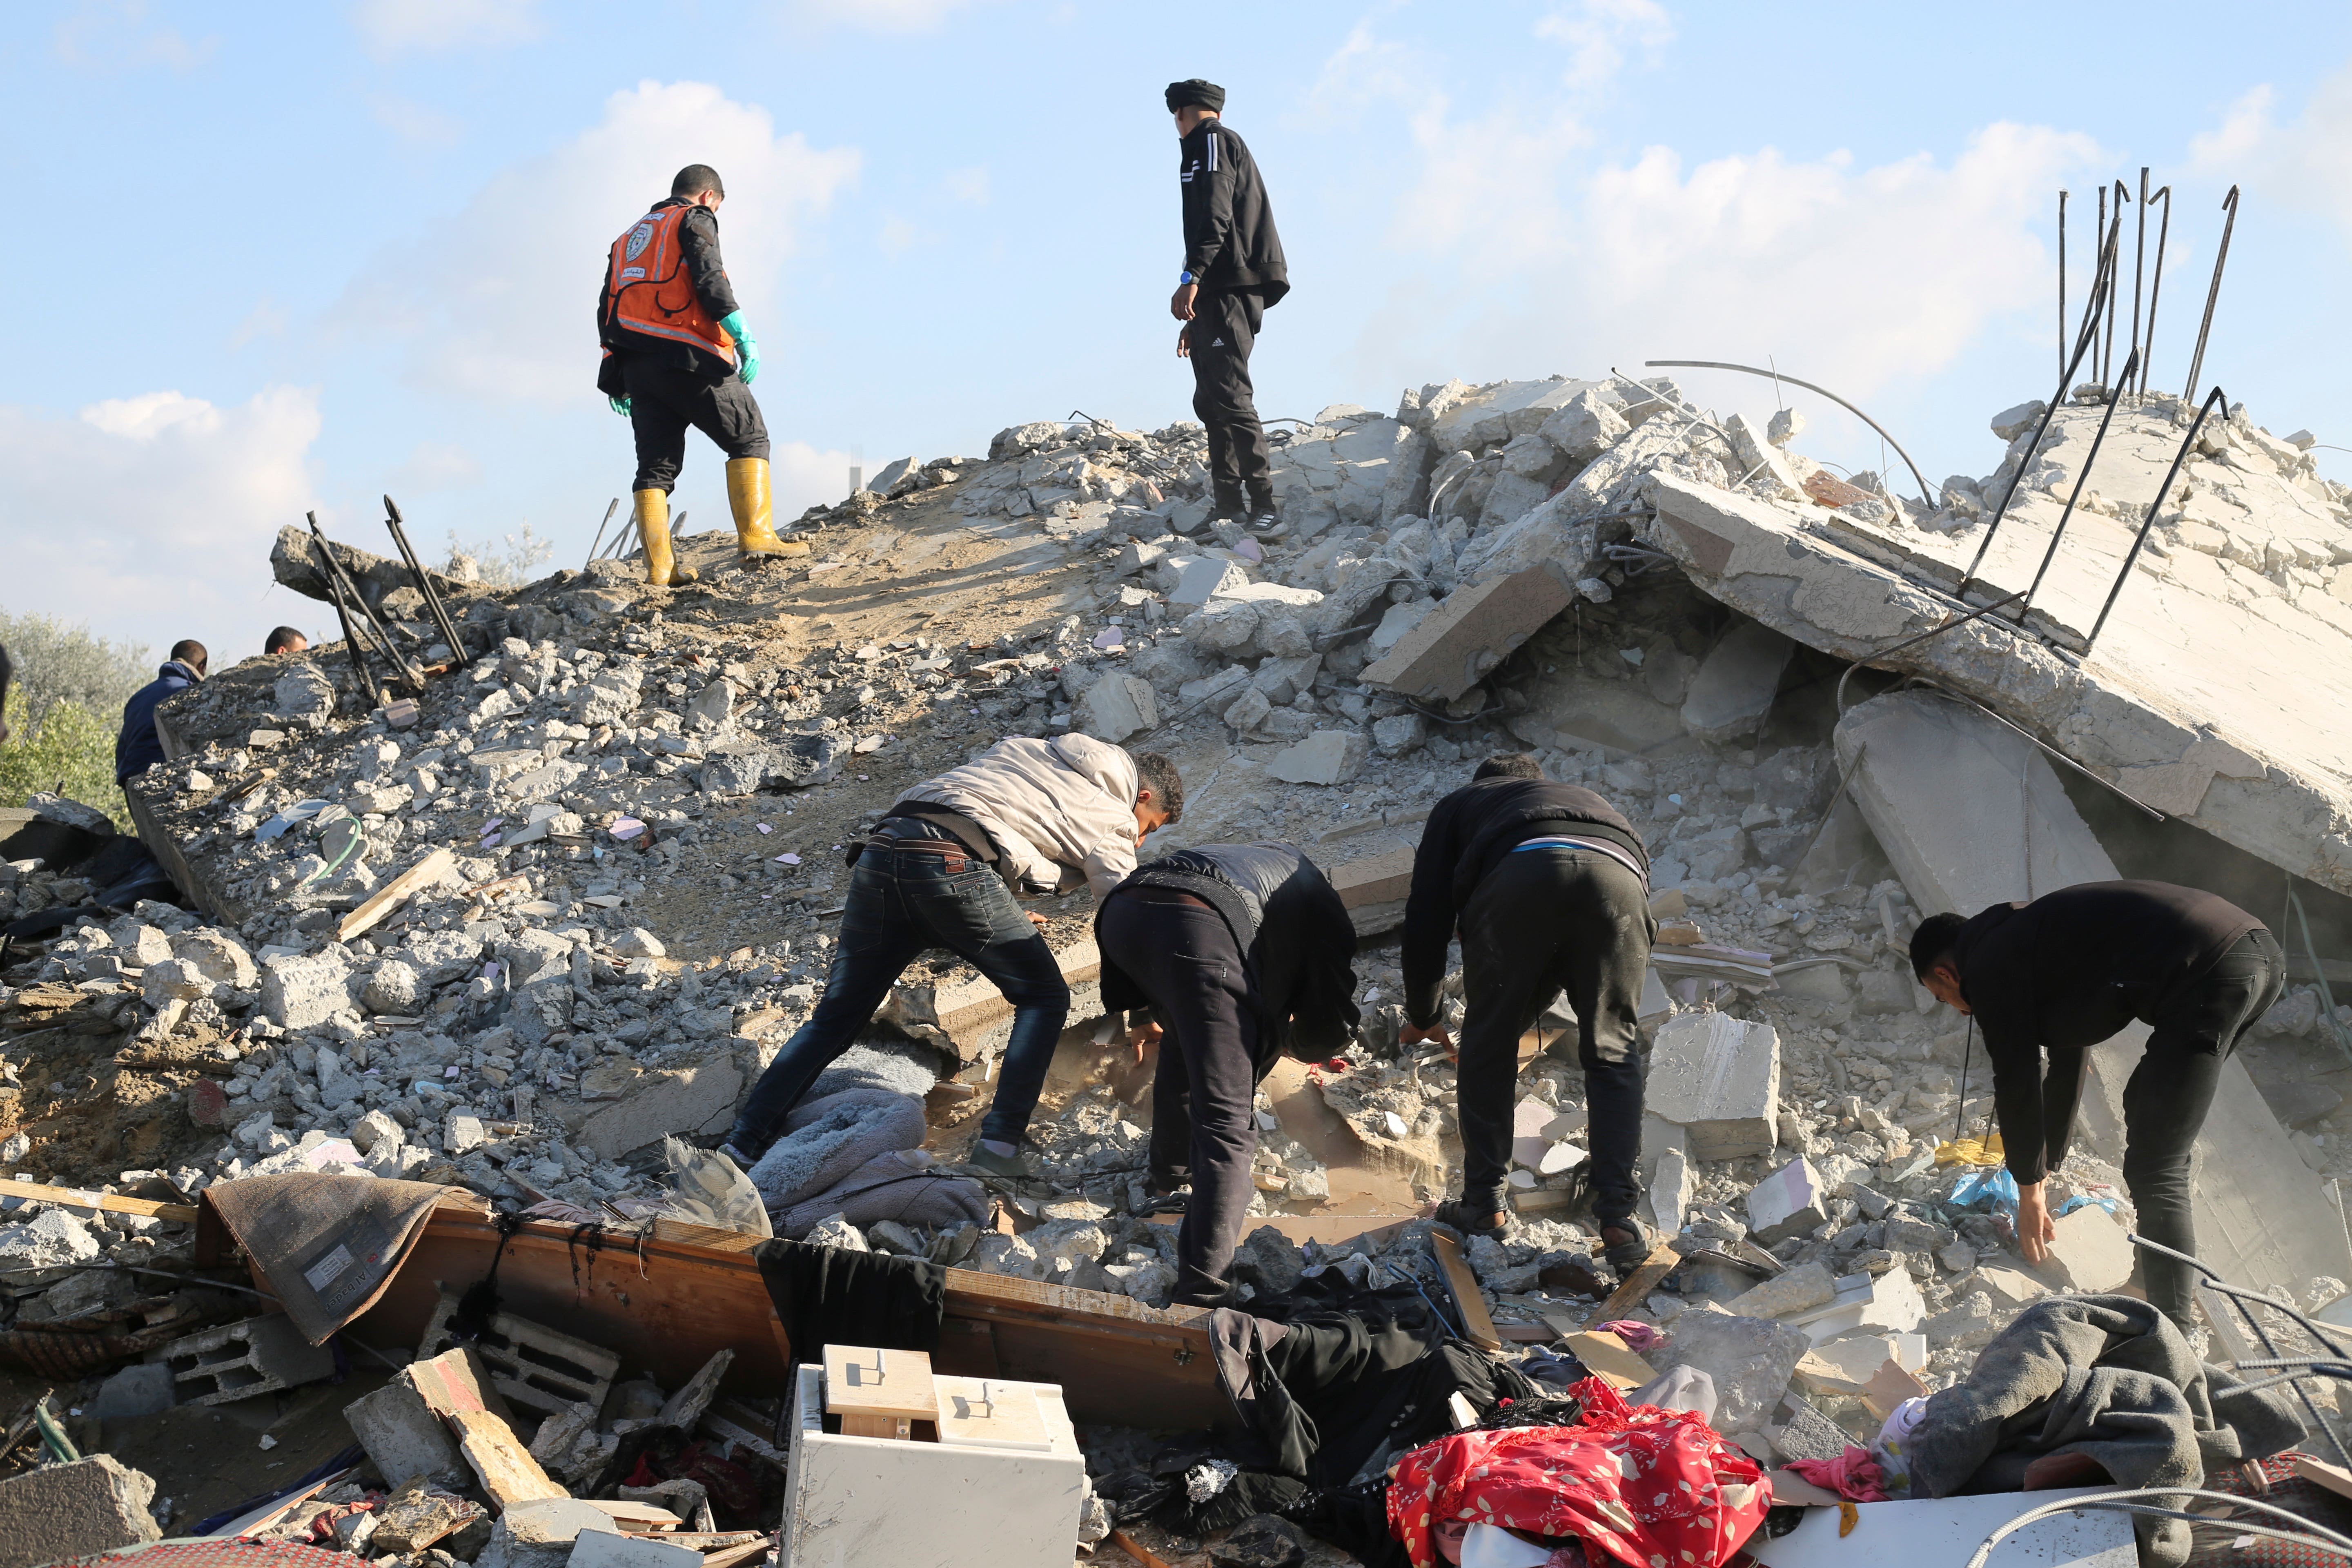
2072	969
1242	951
1234	271
1549	885
139	745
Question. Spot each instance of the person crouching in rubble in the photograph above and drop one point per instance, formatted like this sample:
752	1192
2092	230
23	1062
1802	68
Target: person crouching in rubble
2071	969
940	870
1242	951
6	670
1550	884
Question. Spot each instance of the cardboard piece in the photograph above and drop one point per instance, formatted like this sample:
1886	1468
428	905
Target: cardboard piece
1606	1357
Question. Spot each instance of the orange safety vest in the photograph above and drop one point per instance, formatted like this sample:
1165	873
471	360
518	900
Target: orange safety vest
648	290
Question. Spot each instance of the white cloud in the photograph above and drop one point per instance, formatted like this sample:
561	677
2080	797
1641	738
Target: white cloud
970	186
899	237
148	516
2305	163
115	34
496	302
406	26
875	16
437	466
1598	34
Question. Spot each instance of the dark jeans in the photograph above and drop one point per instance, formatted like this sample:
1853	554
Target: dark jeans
901	902
664	401
1223	332
2169	1094
1545	920
1184	958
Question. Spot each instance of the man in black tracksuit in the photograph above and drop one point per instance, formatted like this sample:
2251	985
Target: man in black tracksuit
1549	885
1242	951
1233	271
2071	969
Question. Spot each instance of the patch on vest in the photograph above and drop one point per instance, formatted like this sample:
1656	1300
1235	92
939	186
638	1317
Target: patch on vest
639	237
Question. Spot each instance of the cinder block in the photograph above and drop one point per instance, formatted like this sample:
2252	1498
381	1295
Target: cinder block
1719	1077
1791	1201
240	1361
1458	643
536	1367
61	1511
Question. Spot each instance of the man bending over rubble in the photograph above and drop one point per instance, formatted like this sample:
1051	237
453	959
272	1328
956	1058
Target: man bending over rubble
2071	969
1242	951
1549	885
940	870
677	354
139	745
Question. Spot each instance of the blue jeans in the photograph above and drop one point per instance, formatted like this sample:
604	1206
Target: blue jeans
903	901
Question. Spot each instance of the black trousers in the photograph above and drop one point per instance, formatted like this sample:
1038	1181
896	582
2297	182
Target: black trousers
1184	958
1544	921
2167	1097
1220	334
664	401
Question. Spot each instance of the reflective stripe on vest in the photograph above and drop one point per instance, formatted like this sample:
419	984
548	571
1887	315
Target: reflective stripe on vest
648	288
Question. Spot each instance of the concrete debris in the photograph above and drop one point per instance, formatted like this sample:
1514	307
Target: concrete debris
1719	1077
243	1361
78	1509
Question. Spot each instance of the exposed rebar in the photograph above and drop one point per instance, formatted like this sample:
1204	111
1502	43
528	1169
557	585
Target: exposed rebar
2212	294
1925	494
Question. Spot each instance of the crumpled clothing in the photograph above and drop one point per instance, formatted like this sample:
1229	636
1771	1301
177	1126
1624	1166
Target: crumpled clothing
1986	1151
1853	1475
1640	1338
1643	1485
1892	1448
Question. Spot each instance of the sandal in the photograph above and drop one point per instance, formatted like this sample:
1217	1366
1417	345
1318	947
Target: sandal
1627	1256
1458	1213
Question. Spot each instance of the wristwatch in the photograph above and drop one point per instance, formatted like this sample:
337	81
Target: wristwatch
1184	277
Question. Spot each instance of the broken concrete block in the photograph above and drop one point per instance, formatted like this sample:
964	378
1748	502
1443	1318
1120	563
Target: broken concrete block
1750	1360
1761	459
300	993
1806	1434
679	1100
2007	1287
404	1436
1478	626
1791	1201
1968	1325
1847	1365
1668	1196
539	1534
76	1509
1203	578
375	1128
145	1390
1888	1302
1731	695
241	1361
1796	1291
2090	1254
608	1548
684	1407
415	1516
1326	757
1719	1077
1584	426
1119	706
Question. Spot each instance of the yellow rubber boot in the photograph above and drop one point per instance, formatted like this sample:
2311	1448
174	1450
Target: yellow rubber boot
662	569
746	494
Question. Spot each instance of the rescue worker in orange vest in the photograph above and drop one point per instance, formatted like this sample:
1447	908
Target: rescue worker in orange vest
677	354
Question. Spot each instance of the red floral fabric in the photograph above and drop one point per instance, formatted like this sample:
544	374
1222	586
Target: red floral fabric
1649	1487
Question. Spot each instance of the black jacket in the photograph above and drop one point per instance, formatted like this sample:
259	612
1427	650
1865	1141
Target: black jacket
1468	836
1229	244
138	747
1293	931
2068	971
698	244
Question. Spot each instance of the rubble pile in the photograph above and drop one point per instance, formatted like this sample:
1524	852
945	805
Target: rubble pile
534	934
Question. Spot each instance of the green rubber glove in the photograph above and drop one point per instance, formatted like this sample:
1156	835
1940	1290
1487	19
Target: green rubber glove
747	351
620	406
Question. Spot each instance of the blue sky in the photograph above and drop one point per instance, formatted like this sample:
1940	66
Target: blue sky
293	256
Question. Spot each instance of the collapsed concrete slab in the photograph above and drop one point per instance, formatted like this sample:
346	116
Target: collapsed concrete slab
1732	694
1455	647
77	1509
1719	1077
1956	799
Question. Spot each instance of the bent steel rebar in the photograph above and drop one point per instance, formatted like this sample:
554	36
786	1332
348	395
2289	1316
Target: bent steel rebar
596	544
449	634
1925	494
2062	282
2114	290
411	674
2212	293
2132	555
351	645
2155	285
2082	478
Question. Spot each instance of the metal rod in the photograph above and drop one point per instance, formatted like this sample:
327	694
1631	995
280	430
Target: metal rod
368	687
2084	340
2212	293
411	676
2062	282
2098	289
2114	289
1925	494
1839	698
393	520
2326	992
596	543
2132	555
2156	286
2082	478
2140	257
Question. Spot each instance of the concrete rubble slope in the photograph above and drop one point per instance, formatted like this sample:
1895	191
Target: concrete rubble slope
540	939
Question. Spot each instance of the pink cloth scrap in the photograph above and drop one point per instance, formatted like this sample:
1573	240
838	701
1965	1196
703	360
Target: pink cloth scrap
1853	1475
1639	1338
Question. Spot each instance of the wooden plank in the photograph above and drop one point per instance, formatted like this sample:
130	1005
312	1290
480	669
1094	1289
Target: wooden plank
993	1413
74	1197
1638	1285
728	1556
1889	1386
1526	1333
2335	1477
709	1235
1477	1326
504	1468
883	1383
635	1517
1606	1357
384	899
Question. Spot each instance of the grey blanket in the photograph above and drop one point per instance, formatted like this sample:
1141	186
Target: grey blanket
834	1137
891	1186
2107	1377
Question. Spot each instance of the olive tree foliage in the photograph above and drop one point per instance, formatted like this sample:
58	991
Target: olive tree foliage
64	708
